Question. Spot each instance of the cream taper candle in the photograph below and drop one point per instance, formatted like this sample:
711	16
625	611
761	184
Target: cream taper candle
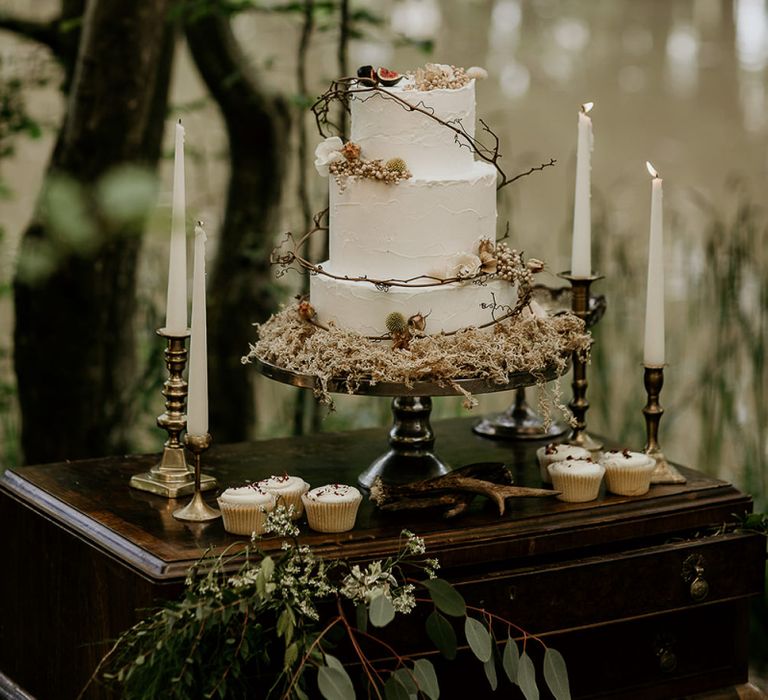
197	413
176	305
581	252
653	350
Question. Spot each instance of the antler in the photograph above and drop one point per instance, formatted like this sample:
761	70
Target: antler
456	489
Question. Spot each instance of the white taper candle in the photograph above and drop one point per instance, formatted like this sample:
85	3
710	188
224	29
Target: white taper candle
176	305
653	350
581	252
197	412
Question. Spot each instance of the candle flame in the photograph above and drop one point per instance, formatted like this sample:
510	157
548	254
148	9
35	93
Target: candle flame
587	106
651	169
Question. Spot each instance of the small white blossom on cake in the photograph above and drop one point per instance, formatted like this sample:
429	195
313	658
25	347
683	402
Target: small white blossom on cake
477	73
465	265
326	153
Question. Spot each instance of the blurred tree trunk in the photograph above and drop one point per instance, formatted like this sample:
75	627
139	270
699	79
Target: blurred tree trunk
241	288
74	340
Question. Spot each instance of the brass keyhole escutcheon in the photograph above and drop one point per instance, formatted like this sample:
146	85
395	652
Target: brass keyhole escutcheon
693	574
663	646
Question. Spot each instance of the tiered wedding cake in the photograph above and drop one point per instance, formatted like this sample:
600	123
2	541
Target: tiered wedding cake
409	205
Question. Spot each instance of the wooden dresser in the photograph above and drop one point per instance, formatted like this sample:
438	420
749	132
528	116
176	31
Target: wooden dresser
612	584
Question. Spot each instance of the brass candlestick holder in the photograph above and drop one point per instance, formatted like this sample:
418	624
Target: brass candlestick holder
579	404
197	510
519	422
664	473
171	476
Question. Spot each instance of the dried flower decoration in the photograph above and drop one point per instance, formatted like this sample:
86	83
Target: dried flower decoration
417	322
535	265
396	165
350	164
306	310
328	152
465	266
438	76
350	150
396	323
487	254
477	73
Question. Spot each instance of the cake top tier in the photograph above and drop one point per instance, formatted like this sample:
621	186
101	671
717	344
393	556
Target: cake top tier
385	127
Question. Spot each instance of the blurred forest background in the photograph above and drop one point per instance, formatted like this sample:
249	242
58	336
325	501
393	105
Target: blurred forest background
86	102
87	98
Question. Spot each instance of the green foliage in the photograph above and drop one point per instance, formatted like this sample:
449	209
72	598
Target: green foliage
556	674
526	677
442	635
249	621
446	597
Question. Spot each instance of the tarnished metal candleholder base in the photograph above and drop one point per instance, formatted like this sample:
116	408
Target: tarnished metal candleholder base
171	476
197	510
519	422
665	473
579	405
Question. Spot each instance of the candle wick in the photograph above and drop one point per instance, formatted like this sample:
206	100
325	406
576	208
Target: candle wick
179	120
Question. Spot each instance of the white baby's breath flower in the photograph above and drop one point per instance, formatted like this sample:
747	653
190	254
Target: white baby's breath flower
477	73
326	153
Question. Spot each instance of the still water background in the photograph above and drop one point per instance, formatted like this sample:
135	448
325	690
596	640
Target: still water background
680	83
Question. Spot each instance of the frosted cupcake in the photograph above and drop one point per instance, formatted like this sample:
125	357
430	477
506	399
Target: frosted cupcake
332	508
556	453
628	473
244	509
288	490
578	480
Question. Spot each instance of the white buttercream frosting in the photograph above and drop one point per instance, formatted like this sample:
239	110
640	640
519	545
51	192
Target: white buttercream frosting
385	128
415	227
626	459
247	495
282	483
334	493
582	467
360	307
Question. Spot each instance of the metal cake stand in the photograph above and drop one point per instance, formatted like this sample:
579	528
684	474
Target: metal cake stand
411	454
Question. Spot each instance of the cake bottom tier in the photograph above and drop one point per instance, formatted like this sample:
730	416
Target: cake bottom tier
361	307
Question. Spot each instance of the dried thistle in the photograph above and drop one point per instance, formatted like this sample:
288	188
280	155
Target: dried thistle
396	165
396	323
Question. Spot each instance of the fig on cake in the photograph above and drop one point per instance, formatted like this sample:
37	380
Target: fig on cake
389	78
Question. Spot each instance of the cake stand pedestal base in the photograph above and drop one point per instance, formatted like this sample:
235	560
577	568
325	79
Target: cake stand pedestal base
411	442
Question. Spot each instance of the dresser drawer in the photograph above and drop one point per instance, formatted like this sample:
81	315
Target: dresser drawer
658	657
623	585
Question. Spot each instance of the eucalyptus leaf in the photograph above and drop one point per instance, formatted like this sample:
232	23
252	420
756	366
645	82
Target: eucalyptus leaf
333	662
556	674
268	567
478	638
334	683
446	597
291	654
405	678
526	678
426	678
510	660
490	672
441	632
394	690
300	694
381	611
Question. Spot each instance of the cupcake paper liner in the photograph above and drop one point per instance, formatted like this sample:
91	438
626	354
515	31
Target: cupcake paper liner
292	497
629	481
576	488
244	519
331	517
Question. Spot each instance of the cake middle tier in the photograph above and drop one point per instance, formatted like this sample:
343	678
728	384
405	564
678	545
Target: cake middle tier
412	228
362	308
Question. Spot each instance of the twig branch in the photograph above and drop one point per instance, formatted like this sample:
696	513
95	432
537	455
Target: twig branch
46	33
